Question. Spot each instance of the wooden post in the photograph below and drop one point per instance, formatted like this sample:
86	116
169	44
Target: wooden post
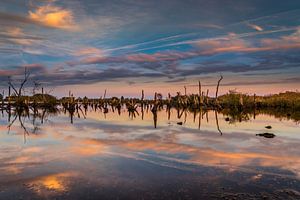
200	94
241	100
43	95
142	95
199	89
254	108
2	99
9	95
184	90
207	91
104	94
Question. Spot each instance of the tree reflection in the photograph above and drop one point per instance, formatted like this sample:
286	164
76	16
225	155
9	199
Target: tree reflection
31	118
25	115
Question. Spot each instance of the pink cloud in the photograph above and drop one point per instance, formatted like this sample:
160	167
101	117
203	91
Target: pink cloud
142	57
89	51
232	43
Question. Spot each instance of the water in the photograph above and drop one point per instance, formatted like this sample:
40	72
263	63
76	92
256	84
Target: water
111	156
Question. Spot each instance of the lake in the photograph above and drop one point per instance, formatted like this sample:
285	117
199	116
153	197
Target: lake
175	154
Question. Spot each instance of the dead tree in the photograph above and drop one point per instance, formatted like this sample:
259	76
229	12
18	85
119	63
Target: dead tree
217	90
19	91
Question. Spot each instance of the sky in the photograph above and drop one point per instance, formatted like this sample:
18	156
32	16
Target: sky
125	46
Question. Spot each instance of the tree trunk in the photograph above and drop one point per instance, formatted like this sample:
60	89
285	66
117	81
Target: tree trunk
217	90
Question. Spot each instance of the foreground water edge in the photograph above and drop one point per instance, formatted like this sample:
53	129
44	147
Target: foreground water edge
176	154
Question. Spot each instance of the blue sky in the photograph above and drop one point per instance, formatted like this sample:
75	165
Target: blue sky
124	46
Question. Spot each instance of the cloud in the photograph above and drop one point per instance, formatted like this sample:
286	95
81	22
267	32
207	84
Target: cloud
54	16
53	77
8	18
16	35
284	42
233	43
16	73
129	42
6	73
255	27
89	51
222	37
207	25
35	67
175	64
168	56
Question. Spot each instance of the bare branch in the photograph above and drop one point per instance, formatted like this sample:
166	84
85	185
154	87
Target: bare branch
12	86
9	126
26	76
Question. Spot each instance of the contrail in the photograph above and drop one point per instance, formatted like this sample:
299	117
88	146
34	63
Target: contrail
170	38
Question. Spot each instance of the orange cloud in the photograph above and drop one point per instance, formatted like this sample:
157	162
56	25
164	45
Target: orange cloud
54	16
255	27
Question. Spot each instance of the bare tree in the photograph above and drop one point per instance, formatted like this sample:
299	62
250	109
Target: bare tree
19	91
217	90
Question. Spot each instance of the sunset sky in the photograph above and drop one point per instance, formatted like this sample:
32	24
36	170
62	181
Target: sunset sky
124	46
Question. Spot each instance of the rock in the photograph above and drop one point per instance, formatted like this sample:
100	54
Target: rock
268	127
266	135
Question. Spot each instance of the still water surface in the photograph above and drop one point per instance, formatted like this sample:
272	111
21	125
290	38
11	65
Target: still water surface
112	156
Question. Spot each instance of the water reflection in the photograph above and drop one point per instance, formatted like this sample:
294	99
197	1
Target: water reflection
230	116
125	152
54	182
